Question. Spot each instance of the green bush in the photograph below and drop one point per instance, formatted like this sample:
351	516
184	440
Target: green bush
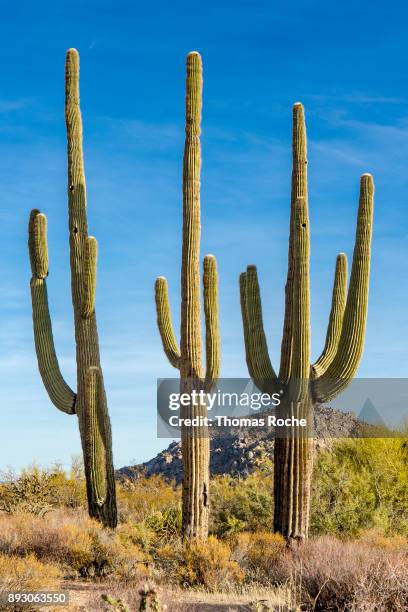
361	484
241	505
167	523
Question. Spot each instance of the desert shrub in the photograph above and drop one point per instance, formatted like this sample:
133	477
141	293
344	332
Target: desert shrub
168	558
139	499
255	552
38	491
80	545
241	505
358	484
377	539
26	574
209	564
100	553
30	492
167	523
345	575
137	533
361	484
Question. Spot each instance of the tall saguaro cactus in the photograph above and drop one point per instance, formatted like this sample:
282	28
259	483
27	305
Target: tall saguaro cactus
89	402
188	358
308	383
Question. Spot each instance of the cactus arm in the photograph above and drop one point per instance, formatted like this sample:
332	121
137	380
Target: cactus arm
351	343
212	337
301	292
95	423
299	190
257	350
90	269
32	248
37	244
164	322
245	323
59	392
190	337
336	317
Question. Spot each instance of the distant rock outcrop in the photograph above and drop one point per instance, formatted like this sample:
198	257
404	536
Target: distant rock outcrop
241	450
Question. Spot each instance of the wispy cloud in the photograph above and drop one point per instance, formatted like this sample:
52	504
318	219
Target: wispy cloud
339	98
8	106
149	136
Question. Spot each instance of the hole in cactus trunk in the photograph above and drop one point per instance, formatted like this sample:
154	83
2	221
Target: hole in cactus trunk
205	495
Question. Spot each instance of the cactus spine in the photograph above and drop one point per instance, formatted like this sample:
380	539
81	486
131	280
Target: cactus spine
89	402
188	358
330	374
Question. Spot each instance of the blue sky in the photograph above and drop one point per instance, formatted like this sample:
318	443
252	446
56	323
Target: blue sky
345	62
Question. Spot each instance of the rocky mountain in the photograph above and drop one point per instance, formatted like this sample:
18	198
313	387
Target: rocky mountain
239	451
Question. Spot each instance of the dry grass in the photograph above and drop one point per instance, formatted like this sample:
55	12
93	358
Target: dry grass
256	552
74	542
330	574
326	573
88	597
26	574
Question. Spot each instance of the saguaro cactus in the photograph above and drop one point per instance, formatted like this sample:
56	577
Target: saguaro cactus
89	402
188	358
308	383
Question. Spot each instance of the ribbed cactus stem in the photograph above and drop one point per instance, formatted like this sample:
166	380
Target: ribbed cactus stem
60	393
336	317
38	245
245	324
90	269
301	293
351	342
94	424
299	190
31	242
305	384
188	358
293	453
164	322
89	403
190	339
78	225
257	353
58	390
212	332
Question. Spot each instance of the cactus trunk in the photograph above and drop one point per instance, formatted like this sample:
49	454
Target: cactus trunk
188	359
89	402
293	461
306	384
